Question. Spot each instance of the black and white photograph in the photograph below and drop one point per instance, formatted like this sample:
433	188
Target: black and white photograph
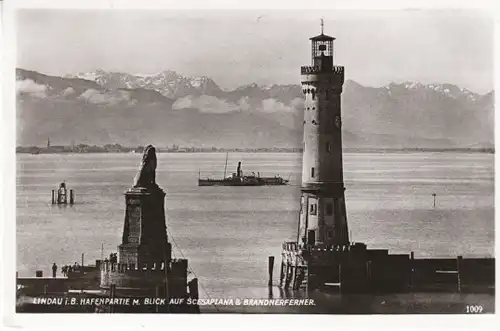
254	161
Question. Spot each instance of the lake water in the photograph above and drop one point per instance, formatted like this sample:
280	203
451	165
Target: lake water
227	233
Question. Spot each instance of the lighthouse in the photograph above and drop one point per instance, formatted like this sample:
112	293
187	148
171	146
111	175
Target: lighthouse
321	257
323	217
321	252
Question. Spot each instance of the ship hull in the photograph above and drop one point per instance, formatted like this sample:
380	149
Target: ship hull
271	181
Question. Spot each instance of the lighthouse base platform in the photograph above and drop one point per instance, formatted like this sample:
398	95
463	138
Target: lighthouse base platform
355	269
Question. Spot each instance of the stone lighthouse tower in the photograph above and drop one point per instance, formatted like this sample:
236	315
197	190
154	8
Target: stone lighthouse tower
321	257
322	248
323	218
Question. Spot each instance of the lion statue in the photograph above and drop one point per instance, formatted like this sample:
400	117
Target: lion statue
146	177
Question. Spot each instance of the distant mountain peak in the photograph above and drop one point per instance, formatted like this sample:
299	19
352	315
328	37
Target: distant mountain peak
248	86
202	81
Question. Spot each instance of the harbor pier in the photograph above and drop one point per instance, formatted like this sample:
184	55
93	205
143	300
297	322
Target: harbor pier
356	269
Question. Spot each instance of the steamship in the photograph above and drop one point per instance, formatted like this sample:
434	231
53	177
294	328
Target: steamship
238	179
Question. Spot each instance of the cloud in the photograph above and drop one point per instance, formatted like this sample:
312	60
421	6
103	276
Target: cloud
184	102
28	86
244	104
133	102
297	103
211	104
67	92
205	104
108	98
276	106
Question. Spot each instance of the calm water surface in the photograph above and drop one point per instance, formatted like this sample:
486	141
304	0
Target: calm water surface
227	233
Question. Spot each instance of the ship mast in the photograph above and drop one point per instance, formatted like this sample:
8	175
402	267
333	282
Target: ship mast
225	166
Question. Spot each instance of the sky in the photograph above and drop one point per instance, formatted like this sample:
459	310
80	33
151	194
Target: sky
234	48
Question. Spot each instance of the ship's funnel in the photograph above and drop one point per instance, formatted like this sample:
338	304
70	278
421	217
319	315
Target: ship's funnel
238	171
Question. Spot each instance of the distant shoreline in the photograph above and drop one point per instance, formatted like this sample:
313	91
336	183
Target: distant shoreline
101	150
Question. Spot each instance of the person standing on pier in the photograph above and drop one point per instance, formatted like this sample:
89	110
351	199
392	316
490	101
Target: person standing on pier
54	270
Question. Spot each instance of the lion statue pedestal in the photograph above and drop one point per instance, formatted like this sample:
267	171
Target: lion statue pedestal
145	240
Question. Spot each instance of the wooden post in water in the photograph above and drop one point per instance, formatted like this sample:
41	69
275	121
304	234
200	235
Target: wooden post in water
434	195
287	273
82	258
53	197
271	269
459	261
281	274
71	197
294	277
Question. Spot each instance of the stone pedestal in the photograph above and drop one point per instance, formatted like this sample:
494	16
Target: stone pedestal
144	239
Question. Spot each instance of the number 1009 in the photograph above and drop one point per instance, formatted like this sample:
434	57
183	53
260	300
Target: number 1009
474	309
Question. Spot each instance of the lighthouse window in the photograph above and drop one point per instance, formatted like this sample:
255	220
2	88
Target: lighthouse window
312	172
328	147
313	209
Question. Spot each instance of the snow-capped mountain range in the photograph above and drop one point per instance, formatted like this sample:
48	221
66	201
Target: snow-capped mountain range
168	82
167	108
173	85
448	90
